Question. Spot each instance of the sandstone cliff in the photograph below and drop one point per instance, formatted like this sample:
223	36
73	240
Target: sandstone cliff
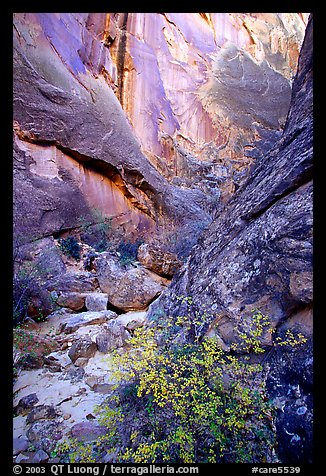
206	93
164	124
257	254
138	115
74	150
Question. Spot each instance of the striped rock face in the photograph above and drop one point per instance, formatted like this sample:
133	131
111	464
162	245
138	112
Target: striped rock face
216	85
149	118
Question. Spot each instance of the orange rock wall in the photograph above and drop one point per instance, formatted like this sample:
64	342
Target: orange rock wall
102	194
163	76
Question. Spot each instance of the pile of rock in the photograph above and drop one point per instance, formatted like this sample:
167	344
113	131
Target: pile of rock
108	284
89	313
57	399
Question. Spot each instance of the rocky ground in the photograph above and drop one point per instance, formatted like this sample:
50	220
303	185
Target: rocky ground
62	362
57	399
91	158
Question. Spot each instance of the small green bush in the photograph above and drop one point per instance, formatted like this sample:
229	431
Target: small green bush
70	247
95	231
128	251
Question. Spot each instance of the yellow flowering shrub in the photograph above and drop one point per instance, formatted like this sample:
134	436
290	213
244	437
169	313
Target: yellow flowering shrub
187	402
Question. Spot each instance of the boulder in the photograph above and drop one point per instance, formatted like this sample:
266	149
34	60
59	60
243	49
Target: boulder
44	435
87	431
57	360
104	388
30	361
52	363
81	361
42	412
45	257
98	384
96	301
19	445
22	458
158	260
113	337
72	282
130	287
72	300
88	318
132	320
26	404
83	347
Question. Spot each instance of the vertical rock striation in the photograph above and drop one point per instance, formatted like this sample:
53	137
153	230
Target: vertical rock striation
199	89
74	150
179	78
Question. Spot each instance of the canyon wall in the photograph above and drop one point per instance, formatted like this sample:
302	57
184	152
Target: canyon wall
167	123
143	117
74	150
206	93
257	254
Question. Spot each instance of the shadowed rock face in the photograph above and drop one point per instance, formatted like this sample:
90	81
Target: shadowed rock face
73	147
257	253
205	90
76	151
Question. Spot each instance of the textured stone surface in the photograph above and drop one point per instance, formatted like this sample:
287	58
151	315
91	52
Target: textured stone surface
40	457
19	445
83	347
151	119
34	264
96	301
257	253
132	320
22	458
43	254
290	385
72	281
129	287
114	336
223	67
44	435
74	149
87	431
88	318
42	412
26	403
72	300
161	262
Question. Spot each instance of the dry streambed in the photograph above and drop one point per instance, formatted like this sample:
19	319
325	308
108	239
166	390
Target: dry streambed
57	399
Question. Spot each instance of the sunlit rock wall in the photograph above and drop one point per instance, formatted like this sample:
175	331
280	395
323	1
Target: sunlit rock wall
154	117
212	87
74	149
